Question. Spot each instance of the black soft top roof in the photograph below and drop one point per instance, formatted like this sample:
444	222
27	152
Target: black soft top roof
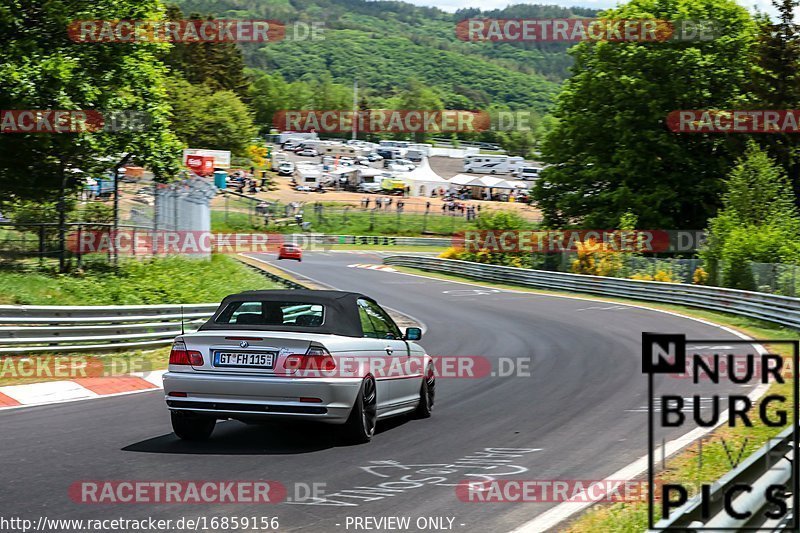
341	311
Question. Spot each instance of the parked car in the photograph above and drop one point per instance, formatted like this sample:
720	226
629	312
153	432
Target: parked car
286	168
308	152
291	145
374	156
369	187
361	160
298	355
399	165
304	188
290	251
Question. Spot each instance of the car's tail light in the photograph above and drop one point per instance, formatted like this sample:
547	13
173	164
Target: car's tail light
315	358
179	355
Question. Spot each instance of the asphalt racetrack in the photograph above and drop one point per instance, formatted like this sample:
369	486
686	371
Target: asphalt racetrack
577	414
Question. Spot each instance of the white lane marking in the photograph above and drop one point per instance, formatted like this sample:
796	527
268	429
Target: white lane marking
599	308
471	292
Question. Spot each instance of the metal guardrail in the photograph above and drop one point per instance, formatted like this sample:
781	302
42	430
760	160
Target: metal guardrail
44	328
782	310
30	329
769	465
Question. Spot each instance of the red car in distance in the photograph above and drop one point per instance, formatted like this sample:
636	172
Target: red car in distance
290	251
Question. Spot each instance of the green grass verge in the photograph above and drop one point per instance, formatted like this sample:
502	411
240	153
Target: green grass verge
167	280
684	467
156	281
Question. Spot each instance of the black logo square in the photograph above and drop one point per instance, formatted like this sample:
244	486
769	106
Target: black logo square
663	353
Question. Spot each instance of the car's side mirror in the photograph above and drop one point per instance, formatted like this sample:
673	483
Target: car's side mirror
413	334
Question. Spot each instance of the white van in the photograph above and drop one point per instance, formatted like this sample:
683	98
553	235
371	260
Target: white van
486	164
529	173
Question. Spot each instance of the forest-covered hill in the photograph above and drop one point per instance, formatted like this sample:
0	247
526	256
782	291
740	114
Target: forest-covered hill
387	44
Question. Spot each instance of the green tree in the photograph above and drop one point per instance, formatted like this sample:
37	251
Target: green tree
41	68
219	65
610	148
213	120
776	83
758	221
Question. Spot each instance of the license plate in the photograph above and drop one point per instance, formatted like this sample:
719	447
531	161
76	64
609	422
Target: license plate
245	359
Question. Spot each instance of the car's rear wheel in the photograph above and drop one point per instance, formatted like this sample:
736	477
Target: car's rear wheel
188	426
427	392
360	426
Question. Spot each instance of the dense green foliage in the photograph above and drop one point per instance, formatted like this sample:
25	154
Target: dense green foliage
157	281
611	150
758	222
41	68
386	44
219	66
776	83
207	119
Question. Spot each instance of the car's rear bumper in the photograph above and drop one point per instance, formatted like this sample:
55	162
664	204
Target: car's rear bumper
241	396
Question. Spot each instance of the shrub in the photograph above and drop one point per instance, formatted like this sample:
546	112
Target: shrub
700	276
452	252
597	259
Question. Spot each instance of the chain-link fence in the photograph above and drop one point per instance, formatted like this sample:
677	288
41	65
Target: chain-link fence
393	216
776	278
145	208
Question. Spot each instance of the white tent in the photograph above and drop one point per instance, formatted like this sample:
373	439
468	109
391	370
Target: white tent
491	182
518	184
423	180
463	179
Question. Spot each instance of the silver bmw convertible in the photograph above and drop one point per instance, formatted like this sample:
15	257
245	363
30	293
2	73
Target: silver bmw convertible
325	356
